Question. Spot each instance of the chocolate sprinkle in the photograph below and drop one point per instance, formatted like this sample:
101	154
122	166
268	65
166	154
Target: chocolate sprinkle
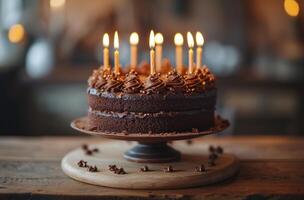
82	163
92	169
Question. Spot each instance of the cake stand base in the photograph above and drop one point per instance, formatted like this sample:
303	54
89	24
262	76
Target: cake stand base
152	153
183	172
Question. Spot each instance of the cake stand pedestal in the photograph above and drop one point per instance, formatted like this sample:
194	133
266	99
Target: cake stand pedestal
153	150
152	153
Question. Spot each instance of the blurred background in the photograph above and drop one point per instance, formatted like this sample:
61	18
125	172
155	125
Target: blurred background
48	49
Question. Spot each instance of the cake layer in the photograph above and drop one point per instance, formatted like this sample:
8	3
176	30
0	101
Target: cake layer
141	103
160	122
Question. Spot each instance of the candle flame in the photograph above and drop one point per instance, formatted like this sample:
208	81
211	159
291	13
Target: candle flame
106	40
134	39
199	39
152	40
116	40
291	7
159	39
178	39
190	40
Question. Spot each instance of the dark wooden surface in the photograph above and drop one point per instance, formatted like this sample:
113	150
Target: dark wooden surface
271	168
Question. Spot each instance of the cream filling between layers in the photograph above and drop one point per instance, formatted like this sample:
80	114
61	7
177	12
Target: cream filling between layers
143	115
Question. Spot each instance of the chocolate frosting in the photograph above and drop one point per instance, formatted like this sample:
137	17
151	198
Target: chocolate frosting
114	84
132	84
193	83
93	78
175	82
154	84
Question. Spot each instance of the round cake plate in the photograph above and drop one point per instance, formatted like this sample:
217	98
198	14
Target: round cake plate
152	148
183	175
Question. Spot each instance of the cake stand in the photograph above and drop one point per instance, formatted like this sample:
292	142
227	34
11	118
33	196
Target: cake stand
152	150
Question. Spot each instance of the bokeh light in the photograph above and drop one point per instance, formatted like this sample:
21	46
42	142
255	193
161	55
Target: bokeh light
292	7
16	33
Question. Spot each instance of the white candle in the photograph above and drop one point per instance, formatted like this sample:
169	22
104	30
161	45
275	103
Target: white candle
116	53
199	50
106	43
152	52
179	41
134	39
190	53
159	39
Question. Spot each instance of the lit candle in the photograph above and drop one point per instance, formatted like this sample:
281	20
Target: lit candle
106	43
116	53
134	39
179	41
159	39
152	52
199	50
190	44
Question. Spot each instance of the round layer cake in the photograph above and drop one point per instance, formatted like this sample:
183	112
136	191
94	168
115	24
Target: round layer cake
151	104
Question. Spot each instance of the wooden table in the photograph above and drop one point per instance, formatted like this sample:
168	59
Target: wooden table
271	168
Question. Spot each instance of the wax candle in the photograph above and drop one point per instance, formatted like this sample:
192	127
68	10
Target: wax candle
190	52
106	43
199	50
152	52
179	41
159	39
134	39
116	53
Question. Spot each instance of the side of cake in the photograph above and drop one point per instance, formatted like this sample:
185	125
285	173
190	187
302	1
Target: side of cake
151	104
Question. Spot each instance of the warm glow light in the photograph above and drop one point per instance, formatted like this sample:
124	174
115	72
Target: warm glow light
106	40
190	40
159	39
134	39
199	39
152	40
57	3
16	33
292	7
116	40
178	39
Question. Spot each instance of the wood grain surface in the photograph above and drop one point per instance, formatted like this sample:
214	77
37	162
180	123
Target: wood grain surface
271	168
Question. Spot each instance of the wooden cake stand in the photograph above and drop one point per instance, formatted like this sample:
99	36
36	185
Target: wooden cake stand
167	167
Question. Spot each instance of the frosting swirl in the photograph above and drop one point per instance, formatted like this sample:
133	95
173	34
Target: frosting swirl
132	83
154	84
114	84
193	83
93	78
175	82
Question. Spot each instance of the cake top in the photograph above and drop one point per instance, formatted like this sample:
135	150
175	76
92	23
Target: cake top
155	77
139	81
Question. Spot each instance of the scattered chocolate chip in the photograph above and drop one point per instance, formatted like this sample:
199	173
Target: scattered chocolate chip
219	150
88	152
112	168
169	169
95	150
211	149
144	169
92	169
82	163
200	168
120	171
84	146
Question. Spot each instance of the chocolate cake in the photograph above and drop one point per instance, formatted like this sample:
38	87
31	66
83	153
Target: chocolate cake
136	102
